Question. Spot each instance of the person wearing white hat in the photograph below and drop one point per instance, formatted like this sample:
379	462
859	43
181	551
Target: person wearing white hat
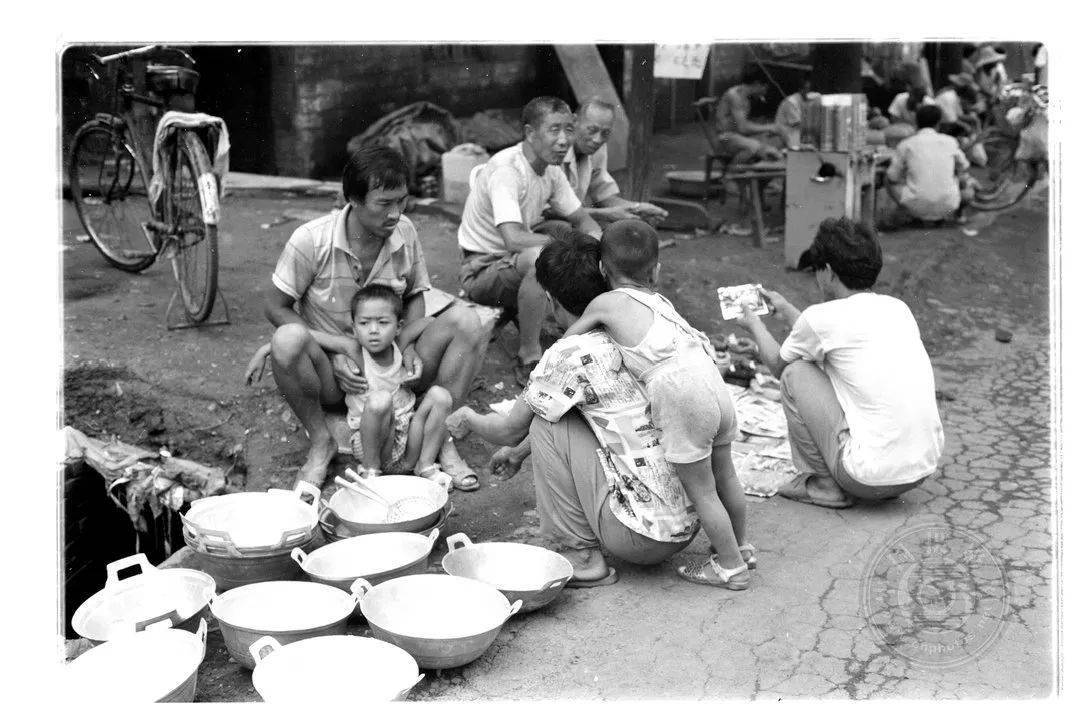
990	74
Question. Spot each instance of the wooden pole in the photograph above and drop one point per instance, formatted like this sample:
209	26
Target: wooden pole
640	107
837	67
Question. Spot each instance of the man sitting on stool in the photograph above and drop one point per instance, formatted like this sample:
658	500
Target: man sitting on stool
498	234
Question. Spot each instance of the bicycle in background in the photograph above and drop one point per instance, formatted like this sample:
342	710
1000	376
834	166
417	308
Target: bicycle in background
110	185
1015	141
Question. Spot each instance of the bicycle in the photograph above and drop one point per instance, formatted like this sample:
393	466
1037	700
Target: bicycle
1007	178
110	185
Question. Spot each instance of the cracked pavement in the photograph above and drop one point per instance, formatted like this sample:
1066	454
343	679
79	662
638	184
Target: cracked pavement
800	630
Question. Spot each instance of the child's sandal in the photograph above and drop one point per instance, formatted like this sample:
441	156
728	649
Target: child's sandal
749	558
436	474
733	579
747	552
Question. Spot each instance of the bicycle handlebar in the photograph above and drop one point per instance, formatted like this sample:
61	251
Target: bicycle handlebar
144	51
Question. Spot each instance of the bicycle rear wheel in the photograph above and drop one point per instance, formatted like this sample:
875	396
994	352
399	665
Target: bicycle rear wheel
195	253
109	189
1003	181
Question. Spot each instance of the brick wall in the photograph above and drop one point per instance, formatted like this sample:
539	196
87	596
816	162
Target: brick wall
324	95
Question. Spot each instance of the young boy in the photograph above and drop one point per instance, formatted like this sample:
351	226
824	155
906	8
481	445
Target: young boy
388	434
690	403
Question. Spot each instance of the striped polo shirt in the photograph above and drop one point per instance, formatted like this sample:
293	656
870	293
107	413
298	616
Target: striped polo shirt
318	269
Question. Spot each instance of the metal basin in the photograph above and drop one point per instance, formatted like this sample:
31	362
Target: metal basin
255	522
442	621
350	670
177	594
361	515
531	574
234	571
287	610
376	557
160	665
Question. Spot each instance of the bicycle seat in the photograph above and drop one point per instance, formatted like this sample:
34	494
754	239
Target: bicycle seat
171	79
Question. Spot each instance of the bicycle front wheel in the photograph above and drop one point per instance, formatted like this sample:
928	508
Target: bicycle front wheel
109	189
195	251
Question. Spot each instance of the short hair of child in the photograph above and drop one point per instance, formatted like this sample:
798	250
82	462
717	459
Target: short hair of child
849	248
377	291
631	248
568	269
927	116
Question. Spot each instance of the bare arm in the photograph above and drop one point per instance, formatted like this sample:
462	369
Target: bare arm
745	126
278	308
518	239
508	429
583	221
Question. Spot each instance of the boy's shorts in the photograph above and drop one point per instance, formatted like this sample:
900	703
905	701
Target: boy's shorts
693	410
397	452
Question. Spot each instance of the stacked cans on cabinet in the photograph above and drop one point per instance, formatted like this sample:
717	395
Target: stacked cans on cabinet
836	123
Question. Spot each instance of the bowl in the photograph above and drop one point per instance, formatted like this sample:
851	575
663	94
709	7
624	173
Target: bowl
136	602
333	529
521	572
351	670
158	665
442	621
376	557
361	515
254	522
287	610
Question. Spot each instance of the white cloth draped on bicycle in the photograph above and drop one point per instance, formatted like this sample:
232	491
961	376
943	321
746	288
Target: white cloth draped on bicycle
212	131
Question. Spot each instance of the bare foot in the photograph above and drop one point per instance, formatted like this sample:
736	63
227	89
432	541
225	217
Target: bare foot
588	563
318	460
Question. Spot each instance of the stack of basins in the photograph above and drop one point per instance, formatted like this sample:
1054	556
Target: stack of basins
349	514
244	538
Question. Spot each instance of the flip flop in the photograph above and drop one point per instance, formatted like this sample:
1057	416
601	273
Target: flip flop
797	490
611	577
522	371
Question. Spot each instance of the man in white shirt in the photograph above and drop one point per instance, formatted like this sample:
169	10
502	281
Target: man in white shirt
792	109
925	175
586	168
507	197
855	379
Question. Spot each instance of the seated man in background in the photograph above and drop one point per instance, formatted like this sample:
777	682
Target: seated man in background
739	138
497	235
855	380
924	177
792	110
904	106
586	167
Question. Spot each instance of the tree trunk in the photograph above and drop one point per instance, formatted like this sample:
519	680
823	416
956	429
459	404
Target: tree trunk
837	67
640	107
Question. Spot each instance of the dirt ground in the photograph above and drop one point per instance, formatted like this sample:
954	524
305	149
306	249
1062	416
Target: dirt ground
126	375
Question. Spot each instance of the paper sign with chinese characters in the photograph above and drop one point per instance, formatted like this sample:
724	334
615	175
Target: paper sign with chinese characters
680	61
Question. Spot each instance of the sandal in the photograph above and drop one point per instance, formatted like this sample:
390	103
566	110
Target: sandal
436	474
747	552
733	579
522	371
797	490
463	477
